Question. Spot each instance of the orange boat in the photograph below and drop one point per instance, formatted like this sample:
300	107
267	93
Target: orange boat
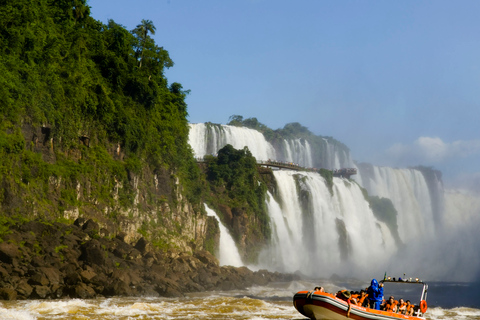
321	305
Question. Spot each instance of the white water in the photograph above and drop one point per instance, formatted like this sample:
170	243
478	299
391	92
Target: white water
298	151
256	303
438	229
208	139
308	240
228	253
410	196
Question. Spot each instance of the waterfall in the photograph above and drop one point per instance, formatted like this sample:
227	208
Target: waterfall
319	233
228	253
208	138
410	195
298	151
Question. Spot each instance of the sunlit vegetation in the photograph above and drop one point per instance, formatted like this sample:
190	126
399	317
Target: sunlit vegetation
84	102
234	181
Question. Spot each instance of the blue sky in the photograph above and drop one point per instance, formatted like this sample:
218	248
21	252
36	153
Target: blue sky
397	81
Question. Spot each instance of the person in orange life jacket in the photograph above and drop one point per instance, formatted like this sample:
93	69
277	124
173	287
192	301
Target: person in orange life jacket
375	294
391	304
362	298
402	306
409	308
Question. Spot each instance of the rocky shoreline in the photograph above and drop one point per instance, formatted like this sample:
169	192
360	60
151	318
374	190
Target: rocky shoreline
42	260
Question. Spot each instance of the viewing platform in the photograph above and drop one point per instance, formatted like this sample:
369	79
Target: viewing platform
344	172
339	173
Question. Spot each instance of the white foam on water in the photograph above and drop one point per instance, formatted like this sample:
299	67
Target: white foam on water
56	307
13	314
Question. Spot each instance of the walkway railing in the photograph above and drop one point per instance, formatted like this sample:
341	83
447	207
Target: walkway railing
343	172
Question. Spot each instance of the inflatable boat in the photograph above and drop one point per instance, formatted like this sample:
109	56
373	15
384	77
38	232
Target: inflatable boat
317	305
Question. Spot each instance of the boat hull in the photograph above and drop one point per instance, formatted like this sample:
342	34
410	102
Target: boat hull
320	305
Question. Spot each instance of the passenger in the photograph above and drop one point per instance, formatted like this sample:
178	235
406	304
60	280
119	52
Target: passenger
321	289
409	308
375	294
355	297
402	306
362	299
345	295
391	305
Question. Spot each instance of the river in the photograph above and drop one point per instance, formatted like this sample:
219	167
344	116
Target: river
446	301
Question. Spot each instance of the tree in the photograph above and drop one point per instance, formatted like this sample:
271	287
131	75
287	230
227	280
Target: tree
141	31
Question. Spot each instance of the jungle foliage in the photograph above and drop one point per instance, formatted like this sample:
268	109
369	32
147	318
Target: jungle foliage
235	172
78	79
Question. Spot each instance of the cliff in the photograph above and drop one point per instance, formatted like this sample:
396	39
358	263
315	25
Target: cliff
90	127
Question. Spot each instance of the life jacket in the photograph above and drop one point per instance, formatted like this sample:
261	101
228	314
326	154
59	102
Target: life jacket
390	306
409	308
361	300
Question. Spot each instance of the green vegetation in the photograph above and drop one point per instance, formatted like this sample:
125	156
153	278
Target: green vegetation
235	171
84	103
235	182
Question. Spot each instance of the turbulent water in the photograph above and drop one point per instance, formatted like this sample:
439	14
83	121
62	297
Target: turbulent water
256	303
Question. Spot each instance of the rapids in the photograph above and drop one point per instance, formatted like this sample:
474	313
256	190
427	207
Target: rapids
269	302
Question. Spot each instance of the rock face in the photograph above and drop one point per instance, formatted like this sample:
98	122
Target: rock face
40	260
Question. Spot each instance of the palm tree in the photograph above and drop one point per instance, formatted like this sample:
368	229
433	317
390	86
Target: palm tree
141	31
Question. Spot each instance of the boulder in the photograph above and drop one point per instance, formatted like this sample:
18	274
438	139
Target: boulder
53	275
41	292
38	279
24	289
9	252
83	291
91	228
8	294
92	253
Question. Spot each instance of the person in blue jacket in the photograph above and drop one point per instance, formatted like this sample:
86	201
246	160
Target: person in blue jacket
375	294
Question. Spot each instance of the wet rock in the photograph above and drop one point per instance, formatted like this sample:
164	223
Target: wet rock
40	292
92	253
38	279
143	246
9	252
91	228
53	275
8	294
118	288
87	275
24	289
83	291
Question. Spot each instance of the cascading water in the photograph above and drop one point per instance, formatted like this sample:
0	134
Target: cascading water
228	253
207	139
410	195
298	151
320	233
